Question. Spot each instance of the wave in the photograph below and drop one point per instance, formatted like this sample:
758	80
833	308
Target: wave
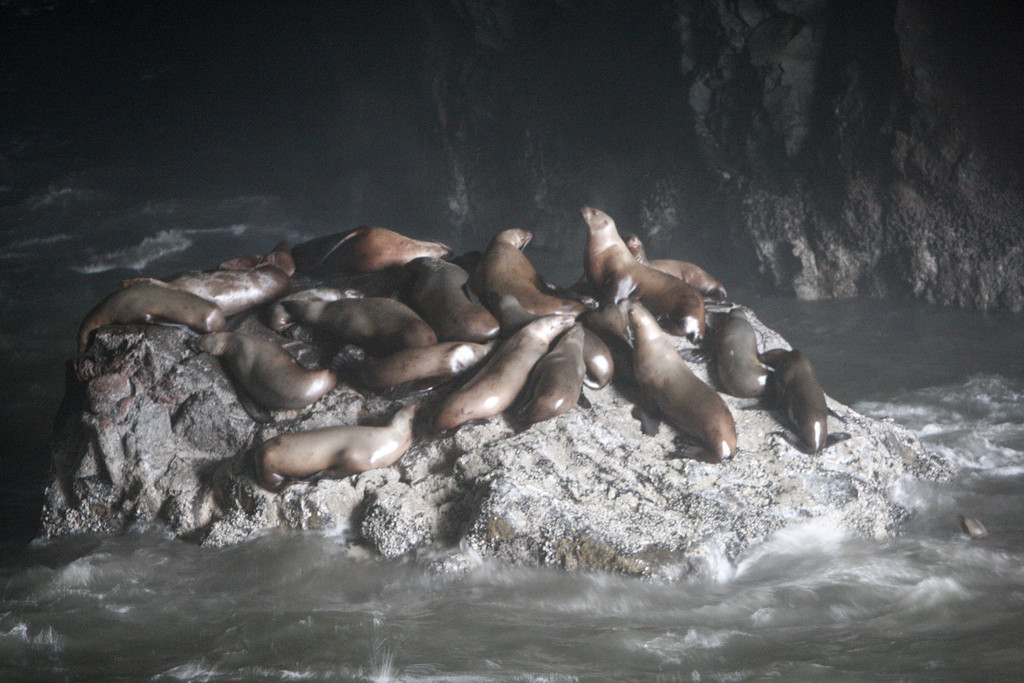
60	197
978	423
139	256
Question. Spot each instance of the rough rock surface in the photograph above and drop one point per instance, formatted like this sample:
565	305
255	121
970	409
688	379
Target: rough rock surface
151	432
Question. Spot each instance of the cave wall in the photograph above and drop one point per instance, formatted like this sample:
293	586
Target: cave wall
834	149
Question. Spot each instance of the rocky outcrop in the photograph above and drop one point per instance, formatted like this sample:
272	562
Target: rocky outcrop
151	432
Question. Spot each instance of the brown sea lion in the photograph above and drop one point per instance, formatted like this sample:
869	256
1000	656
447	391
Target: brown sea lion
438	363
794	389
495	386
365	249
333	452
437	293
732	350
556	381
609	323
149	303
596	355
613	270
281	257
380	326
504	269
232	290
278	319
267	373
690	273
669	388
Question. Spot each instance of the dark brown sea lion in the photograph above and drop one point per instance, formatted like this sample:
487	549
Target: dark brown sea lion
149	303
437	293
732	349
267	373
609	323
278	319
794	388
556	381
614	272
380	326
669	388
690	273
333	452
232	290
438	363
365	249
504	269
495	386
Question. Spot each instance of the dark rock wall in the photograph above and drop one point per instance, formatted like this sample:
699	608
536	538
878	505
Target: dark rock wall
838	149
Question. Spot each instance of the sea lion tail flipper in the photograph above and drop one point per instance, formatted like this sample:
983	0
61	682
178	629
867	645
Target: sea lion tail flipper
584	402
794	441
254	410
837	416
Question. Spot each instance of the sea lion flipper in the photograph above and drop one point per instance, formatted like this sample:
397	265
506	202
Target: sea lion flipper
694	355
648	423
584	402
837	416
836	437
254	410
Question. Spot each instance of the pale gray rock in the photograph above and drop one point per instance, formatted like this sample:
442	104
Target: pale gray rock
150	433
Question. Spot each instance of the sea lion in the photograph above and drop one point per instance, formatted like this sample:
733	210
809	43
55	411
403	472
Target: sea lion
232	290
690	273
668	387
556	381
364	249
495	386
795	390
732	350
615	273
277	317
380	326
437	293
438	363
504	269
596	355
281	257
333	452
149	303
609	324
267	373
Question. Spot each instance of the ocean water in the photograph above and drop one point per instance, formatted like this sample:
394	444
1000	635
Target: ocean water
810	603
119	162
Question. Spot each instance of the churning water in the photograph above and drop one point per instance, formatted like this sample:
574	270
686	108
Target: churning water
808	603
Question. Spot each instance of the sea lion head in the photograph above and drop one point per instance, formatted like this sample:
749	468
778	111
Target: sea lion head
514	236
598	221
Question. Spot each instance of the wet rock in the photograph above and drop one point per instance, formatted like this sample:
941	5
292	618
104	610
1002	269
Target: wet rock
587	490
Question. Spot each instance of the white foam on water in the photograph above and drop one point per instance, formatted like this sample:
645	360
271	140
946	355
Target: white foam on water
137	257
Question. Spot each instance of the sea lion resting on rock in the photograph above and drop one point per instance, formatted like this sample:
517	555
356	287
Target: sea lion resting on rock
669	388
281	257
495	386
690	273
504	269
333	452
438	363
278	319
267	373
794	389
616	274
232	290
596	355
379	326
149	303
437	293
363	250
556	381
732	349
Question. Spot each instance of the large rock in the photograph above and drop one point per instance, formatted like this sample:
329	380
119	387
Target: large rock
151	432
